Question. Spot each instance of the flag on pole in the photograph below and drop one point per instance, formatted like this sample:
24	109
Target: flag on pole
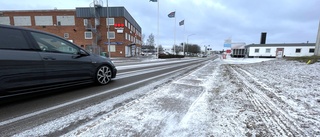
172	14
153	0
181	23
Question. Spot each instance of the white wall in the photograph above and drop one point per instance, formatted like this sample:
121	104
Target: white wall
288	51
66	20
291	51
262	51
5	20
22	20
43	20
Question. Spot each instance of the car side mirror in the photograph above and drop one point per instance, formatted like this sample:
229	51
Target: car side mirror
82	53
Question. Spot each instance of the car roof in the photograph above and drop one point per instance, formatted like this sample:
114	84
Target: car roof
24	28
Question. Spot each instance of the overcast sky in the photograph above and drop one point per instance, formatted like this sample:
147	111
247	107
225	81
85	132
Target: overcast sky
209	22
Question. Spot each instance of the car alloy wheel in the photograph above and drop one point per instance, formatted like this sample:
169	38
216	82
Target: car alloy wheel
103	75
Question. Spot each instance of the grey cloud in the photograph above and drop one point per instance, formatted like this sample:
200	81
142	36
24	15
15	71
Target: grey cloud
213	21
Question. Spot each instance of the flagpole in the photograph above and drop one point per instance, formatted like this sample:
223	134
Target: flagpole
174	44
184	35
158	31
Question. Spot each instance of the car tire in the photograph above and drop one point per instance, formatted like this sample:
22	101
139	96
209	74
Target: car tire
103	75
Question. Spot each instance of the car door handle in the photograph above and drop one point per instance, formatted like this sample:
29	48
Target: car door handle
49	58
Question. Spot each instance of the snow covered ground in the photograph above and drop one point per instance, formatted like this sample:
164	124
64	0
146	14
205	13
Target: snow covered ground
232	97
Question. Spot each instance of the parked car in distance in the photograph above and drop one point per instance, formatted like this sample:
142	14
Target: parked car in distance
32	61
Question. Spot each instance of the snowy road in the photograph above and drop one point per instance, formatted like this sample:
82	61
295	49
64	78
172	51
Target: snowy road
16	117
269	98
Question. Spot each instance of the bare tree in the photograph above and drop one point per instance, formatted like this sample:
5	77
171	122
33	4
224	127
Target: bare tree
178	48
142	38
150	40
192	49
160	49
149	47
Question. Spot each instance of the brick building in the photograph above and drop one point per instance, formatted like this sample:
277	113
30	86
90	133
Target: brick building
86	27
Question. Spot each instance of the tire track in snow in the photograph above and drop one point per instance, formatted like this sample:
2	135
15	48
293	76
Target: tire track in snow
275	119
300	120
265	113
273	91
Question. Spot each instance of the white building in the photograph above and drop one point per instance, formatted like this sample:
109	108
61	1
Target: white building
280	50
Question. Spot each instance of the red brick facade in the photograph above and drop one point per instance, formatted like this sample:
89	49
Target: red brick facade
77	31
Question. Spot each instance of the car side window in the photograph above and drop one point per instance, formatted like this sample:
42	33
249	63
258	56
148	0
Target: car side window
48	43
12	39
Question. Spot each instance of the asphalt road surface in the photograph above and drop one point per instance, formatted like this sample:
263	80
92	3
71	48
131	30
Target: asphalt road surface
32	110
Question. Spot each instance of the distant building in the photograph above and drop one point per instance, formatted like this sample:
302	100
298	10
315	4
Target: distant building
280	50
86	27
238	49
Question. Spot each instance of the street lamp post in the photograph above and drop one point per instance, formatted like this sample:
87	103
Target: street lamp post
158	51
108	30
317	50
187	42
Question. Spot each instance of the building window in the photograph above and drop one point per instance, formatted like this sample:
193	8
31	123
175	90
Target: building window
256	50
111	35
311	50
129	25
43	20
88	35
66	35
65	20
85	22
268	50
110	21
298	50
125	23
97	22
126	36
112	48
22	20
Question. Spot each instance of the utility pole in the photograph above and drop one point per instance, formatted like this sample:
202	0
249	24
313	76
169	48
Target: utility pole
317	49
158	51
205	50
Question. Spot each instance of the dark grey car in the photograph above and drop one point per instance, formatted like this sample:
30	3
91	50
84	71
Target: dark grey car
32	60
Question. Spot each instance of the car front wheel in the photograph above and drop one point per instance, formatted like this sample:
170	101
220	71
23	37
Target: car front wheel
103	75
